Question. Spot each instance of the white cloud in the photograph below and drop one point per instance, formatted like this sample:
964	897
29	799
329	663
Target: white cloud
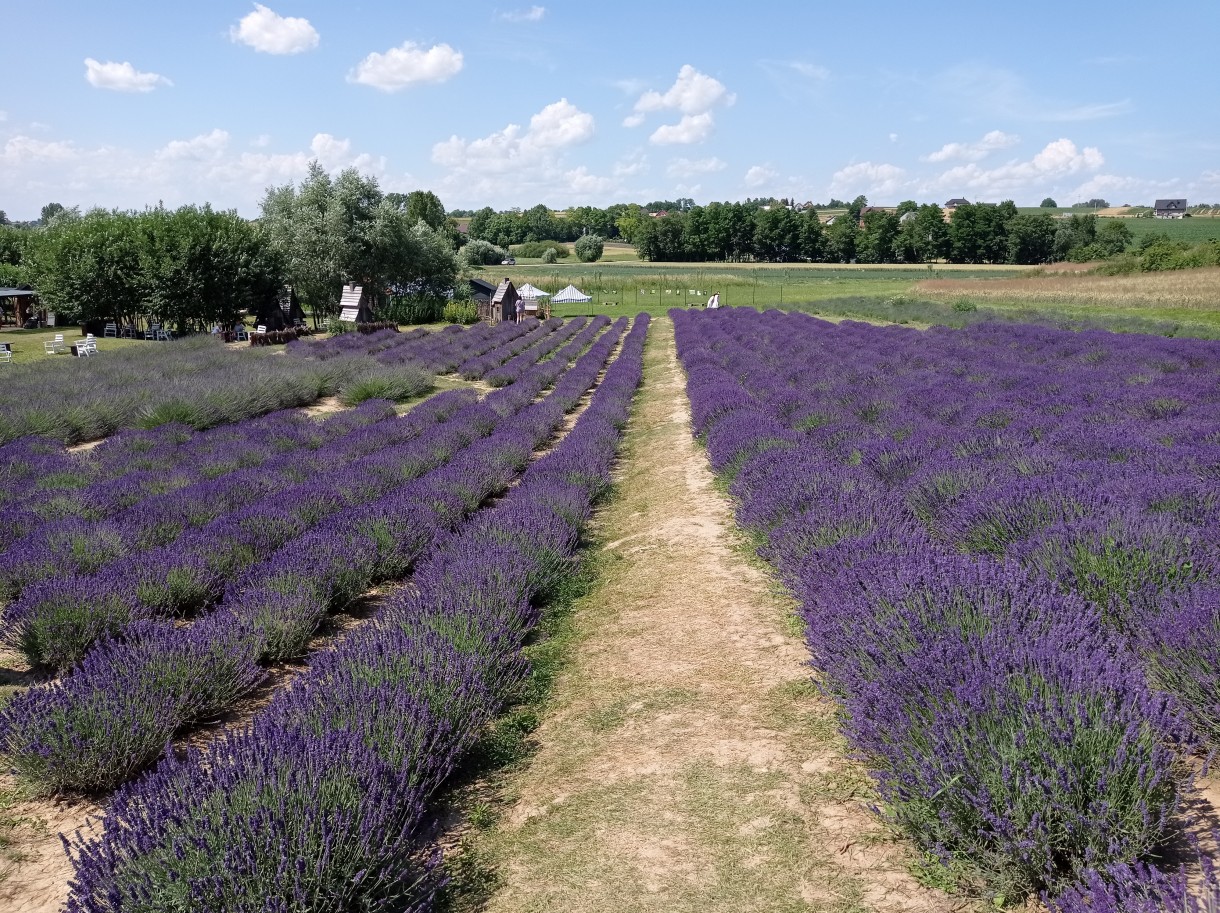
810	70
634	164
267	31
556	126
527	162
685	168
973	152
533	14
407	65
188	170
121	77
868	178
758	175
694	95
893	137
3	116
693	128
560	124
1057	159
261	141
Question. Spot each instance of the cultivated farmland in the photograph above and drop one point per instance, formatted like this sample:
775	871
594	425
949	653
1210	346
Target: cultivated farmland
385	654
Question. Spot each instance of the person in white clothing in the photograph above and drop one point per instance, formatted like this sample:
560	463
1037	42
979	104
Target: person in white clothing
714	301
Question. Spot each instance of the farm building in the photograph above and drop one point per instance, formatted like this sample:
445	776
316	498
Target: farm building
481	293
1169	209
19	305
502	305
956	202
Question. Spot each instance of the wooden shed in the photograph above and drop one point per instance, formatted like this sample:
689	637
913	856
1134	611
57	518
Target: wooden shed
356	304
503	304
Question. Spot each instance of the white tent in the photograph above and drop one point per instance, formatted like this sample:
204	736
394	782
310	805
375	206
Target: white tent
531	292
570	295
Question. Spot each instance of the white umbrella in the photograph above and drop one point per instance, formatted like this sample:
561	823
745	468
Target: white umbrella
570	295
531	293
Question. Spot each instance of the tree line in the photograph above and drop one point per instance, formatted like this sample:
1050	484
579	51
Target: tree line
195	267
974	233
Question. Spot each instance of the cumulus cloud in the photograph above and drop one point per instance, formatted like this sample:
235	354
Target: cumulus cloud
973	152
525	161
1059	158
693	128
209	166
871	179
758	175
121	77
555	127
693	95
270	33
407	65
533	14
685	168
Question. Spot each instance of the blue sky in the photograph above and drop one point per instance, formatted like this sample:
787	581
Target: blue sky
123	104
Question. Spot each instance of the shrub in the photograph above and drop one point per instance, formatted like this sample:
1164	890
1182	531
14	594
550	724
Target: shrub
589	248
482	253
550	255
465	312
538	248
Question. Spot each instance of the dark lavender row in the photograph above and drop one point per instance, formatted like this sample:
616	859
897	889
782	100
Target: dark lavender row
505	373
84	733
458	347
44	481
348	759
1003	541
77	580
475	368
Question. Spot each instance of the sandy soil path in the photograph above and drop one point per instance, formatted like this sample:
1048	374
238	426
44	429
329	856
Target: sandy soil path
685	763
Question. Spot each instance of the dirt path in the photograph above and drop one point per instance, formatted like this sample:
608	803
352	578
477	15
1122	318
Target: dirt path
684	762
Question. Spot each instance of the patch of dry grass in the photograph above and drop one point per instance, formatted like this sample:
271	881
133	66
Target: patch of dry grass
1191	290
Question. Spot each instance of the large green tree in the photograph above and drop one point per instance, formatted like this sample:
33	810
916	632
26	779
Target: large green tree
336	230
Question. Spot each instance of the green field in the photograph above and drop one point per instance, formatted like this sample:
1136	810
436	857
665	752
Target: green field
632	286
1193	230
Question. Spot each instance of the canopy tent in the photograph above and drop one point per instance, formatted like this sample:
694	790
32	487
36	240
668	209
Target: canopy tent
532	292
570	295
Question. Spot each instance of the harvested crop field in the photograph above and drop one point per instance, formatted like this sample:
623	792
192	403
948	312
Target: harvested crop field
1189	290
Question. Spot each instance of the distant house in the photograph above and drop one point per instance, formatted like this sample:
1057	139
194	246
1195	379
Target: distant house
956	202
1169	209
907	217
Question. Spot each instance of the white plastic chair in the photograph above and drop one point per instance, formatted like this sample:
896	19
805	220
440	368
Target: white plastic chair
55	346
111	331
91	343
6	353
262	330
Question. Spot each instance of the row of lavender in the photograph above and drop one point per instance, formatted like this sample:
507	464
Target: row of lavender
1004	541
309	552
322	802
41	480
128	519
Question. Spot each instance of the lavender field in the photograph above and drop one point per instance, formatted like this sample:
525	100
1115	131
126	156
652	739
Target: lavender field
1003	541
151	583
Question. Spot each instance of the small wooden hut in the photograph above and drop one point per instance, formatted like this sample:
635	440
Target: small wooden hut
356	304
503	304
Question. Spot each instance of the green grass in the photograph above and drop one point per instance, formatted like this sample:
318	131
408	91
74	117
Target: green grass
634	286
1193	230
28	348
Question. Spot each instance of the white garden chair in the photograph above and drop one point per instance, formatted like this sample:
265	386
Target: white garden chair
55	346
6	353
111	331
